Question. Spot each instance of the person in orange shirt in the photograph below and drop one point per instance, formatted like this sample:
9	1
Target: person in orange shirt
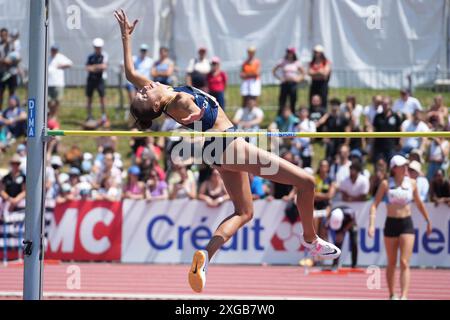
250	75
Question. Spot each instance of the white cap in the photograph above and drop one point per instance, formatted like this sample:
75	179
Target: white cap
397	161
336	219
63	178
416	166
98	43
319	48
87	156
56	161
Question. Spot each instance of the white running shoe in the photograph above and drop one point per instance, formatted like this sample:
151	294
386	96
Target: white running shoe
322	249
199	268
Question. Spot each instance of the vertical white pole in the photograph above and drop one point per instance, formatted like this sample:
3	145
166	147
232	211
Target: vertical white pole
36	145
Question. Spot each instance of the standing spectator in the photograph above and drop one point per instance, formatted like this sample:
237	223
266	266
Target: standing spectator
163	69
320	72
371	111
292	74
212	191
15	118
317	111
342	220
302	147
387	121
250	75
96	65
325	191
356	186
440	189
438	112
217	82
134	189
12	188
56	81
438	153
340	169
381	173
143	66
406	105
415	173
182	184
9	61
335	121
414	125
156	188
250	117
198	70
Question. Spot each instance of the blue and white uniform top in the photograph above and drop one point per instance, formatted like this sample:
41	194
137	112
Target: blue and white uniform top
203	101
400	195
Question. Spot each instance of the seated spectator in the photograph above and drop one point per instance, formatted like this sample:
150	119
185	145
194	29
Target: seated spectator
65	194
14	117
414	125
371	111
258	187
440	189
12	187
198	70
285	122
249	118
335	121
280	190
302	147
438	113
415	172
381	174
212	191
406	105
217	82
108	169
146	144
316	110
148	164
74	182
356	186
182	183
73	157
324	192
387	121
107	191
352	110
438	156
340	169
134	189
356	155
156	188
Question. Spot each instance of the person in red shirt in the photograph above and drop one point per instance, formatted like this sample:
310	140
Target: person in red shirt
217	82
320	72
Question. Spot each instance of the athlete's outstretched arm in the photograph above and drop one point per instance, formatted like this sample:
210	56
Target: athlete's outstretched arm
127	29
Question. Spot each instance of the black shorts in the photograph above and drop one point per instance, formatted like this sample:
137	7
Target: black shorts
395	227
95	84
10	83
214	148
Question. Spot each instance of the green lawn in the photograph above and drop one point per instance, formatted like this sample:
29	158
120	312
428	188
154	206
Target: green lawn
72	112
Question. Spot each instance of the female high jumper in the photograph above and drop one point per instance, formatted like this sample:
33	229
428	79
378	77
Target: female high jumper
187	105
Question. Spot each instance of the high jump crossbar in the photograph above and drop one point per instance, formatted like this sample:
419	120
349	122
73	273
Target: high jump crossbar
192	134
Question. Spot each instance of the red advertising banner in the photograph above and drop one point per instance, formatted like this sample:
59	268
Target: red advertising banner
86	230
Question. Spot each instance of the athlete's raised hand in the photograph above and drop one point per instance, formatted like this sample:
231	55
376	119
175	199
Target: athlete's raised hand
193	117
125	27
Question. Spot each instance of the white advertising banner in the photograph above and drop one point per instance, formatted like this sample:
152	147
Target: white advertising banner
170	231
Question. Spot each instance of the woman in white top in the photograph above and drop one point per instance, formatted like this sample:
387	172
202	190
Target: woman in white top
398	192
438	152
291	74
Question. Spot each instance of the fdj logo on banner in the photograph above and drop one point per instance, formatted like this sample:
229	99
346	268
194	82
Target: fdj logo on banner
31	118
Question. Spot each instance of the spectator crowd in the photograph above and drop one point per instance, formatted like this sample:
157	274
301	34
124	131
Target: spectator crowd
351	169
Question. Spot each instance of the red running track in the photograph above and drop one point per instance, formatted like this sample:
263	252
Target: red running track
127	281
